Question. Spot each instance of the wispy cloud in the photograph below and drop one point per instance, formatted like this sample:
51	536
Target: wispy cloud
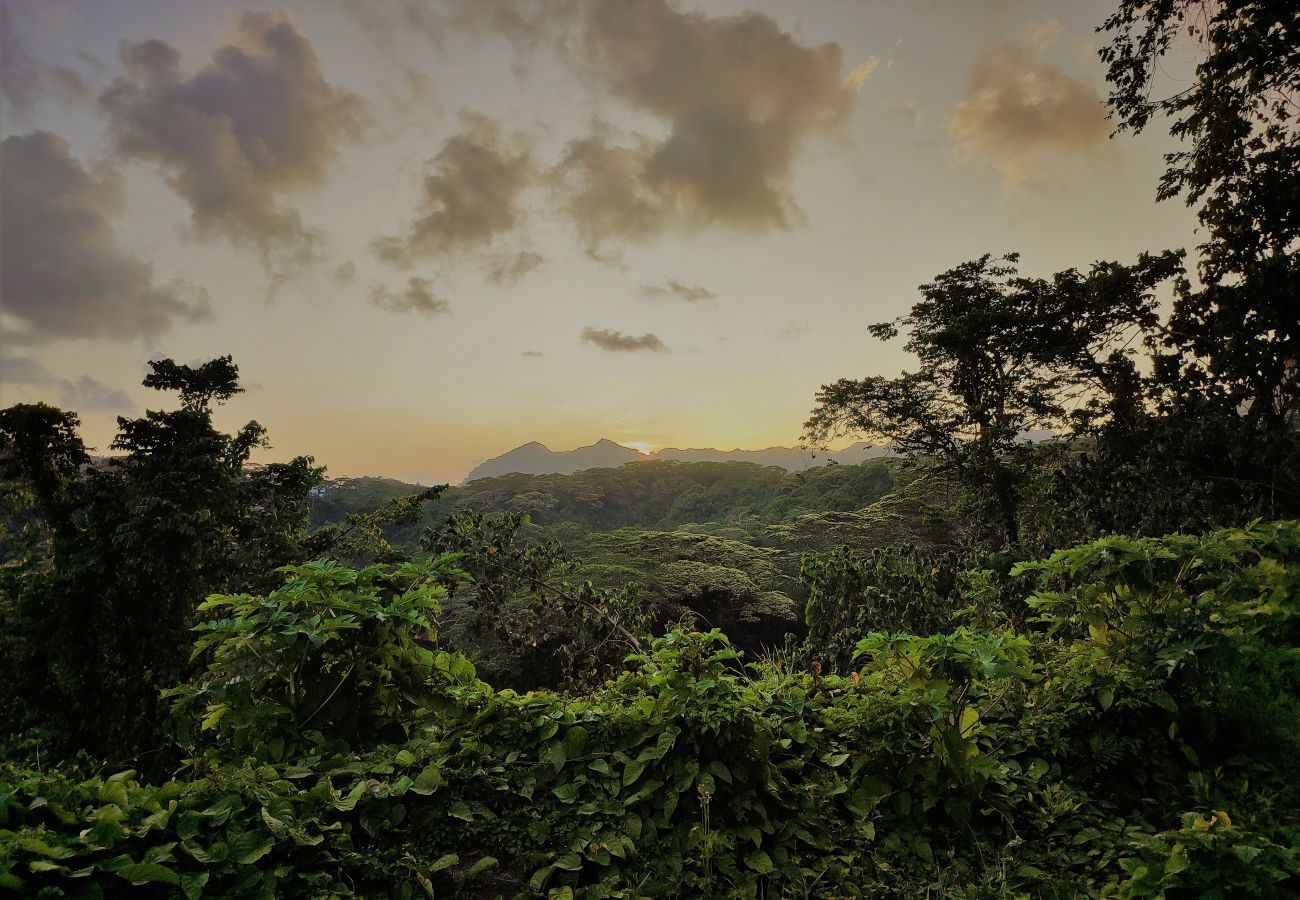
617	342
417	296
860	73
1043	34
673	288
81	394
507	268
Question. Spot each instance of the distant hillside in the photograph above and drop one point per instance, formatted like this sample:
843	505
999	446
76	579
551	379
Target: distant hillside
538	459
658	494
792	459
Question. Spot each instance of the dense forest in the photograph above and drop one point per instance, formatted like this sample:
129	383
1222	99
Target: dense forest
981	667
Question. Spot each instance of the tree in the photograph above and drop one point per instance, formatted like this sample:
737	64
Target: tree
138	539
1234	339
1001	355
1221	445
511	608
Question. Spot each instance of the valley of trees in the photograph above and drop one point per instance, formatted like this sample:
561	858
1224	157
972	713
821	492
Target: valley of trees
979	668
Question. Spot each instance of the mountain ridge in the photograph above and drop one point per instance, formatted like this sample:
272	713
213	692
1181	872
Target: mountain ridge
535	458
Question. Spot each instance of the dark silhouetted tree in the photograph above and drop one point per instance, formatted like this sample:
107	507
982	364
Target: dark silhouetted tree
138	540
1001	355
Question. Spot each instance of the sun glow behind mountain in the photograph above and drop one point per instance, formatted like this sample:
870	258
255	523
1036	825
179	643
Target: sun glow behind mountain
643	447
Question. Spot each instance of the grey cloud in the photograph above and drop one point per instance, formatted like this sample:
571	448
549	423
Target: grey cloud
673	288
23	77
740	98
64	273
24	370
68	85
536	354
91	395
258	122
471	195
508	268
416	297
601	193
525	23
386	23
1018	106
20	74
345	272
83	394
617	342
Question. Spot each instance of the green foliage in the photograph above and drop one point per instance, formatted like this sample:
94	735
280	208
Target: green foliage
279	664
1204	857
363	537
886	591
1084	757
706	581
999	355
1120	719
519	616
658	494
1241	161
216	380
135	542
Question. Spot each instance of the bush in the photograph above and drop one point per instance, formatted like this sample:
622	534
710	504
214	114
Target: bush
1082	756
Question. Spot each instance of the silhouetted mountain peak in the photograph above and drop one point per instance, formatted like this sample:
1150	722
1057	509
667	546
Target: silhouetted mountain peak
535	458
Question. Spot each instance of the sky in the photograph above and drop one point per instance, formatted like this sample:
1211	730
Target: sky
432	230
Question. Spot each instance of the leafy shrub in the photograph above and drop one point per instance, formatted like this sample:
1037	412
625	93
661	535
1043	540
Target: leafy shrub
1084	756
886	590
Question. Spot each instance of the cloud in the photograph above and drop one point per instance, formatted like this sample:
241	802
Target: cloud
21	73
417	297
84	394
471	195
23	77
23	370
1043	34
1084	50
91	395
535	354
508	268
64	273
689	293
257	123
1019	109
860	73
389	26
409	17
738	98
345	272
617	342
906	112
601	193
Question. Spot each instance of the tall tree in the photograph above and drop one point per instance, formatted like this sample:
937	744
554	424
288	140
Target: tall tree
1234	339
1000	355
138	539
